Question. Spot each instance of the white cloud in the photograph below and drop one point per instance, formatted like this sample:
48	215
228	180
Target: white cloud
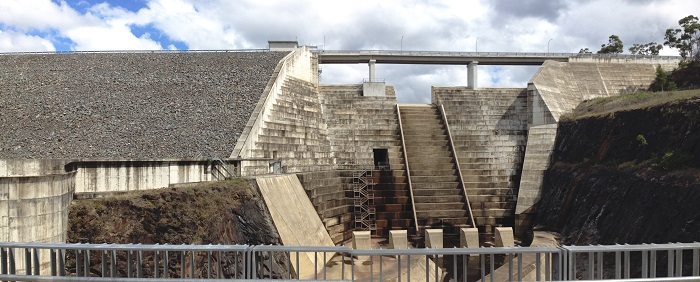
446	25
18	42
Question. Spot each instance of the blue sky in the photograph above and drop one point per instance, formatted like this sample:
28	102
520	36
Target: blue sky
432	25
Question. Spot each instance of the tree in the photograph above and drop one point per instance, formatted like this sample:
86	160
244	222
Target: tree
686	39
614	46
651	48
661	82
584	51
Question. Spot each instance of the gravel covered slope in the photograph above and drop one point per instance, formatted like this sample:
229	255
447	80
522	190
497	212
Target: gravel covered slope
128	105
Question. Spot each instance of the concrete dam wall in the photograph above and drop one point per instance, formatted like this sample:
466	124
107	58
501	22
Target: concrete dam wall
558	87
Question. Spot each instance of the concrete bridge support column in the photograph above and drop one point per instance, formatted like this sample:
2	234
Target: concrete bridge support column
372	75
472	75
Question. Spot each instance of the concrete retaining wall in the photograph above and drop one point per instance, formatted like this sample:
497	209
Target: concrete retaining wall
35	209
540	143
24	167
120	176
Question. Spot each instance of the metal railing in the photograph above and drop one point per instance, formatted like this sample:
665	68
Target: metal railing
443	115
408	170
135	262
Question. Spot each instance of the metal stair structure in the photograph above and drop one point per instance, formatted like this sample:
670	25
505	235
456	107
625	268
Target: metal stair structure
363	201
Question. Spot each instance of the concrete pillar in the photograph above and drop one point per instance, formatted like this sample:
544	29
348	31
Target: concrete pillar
361	240
372	75
469	237
472	75
398	239
433	238
504	237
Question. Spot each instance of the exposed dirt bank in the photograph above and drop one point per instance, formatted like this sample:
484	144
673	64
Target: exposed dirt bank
227	212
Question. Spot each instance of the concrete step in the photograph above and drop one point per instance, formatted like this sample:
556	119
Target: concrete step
437	192
392	207
427	214
440	206
432	179
434	172
489	191
394	185
435	185
439	199
394	215
404	199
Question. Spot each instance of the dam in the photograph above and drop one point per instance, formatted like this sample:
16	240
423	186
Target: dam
87	125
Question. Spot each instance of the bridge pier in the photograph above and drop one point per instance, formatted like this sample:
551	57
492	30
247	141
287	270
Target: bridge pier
372	74
472	75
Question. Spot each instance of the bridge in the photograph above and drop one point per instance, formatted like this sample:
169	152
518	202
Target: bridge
469	59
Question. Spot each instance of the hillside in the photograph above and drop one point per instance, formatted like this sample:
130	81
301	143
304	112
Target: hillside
626	170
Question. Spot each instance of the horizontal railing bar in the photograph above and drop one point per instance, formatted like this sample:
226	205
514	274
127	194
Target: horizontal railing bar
636	247
456	251
318	249
126	247
4	277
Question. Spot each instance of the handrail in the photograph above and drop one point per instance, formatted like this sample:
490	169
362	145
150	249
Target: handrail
408	171
459	169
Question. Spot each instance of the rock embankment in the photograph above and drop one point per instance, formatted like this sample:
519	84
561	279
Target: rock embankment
626	177
228	213
128	105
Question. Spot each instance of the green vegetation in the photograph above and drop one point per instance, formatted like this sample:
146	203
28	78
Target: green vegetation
614	46
686	38
651	48
673	160
607	105
661	82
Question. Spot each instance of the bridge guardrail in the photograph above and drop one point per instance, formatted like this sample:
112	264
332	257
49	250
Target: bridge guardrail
490	54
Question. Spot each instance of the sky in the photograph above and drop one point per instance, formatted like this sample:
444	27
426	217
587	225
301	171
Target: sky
425	25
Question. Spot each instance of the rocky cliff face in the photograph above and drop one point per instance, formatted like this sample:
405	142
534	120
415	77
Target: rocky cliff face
626	177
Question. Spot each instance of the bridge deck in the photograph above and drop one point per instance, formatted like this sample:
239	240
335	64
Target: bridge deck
456	58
